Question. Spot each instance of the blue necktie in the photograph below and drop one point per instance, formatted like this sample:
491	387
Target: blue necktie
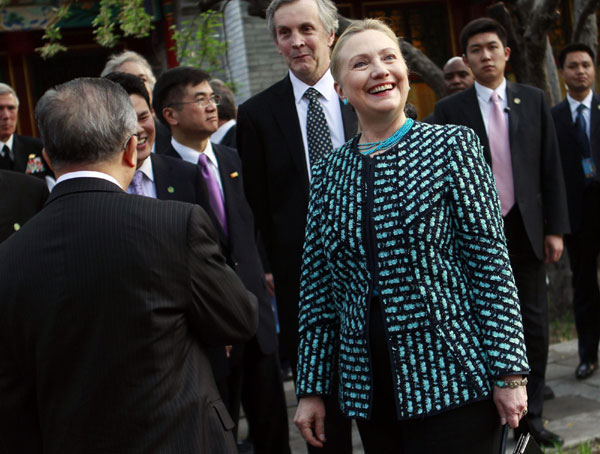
581	127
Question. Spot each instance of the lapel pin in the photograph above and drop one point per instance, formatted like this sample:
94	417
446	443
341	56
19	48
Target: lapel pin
170	189
233	175
517	100
16	226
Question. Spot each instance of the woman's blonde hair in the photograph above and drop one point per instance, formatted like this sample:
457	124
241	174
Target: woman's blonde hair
354	28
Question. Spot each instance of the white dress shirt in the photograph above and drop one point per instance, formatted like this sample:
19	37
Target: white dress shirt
484	95
148	185
87	174
330	102
218	135
190	155
587	102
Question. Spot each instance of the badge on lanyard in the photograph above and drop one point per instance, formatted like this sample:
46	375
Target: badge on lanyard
589	168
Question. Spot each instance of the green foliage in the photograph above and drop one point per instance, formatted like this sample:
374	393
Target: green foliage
52	34
198	43
129	15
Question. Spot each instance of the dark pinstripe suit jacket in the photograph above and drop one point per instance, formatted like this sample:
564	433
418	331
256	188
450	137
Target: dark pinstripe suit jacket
107	304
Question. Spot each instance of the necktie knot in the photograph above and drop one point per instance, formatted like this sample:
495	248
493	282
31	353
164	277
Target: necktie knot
495	99
5	151
203	160
311	94
136	183
5	161
580	109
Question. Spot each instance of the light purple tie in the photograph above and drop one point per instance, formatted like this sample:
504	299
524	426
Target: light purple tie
215	197
501	160
136	183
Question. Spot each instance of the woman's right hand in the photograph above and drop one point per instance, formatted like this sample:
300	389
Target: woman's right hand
310	420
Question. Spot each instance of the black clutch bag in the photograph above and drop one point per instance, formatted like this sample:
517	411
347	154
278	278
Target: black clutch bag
525	445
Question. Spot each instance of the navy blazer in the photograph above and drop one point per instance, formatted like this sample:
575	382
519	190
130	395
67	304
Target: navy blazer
269	142
537	173
570	154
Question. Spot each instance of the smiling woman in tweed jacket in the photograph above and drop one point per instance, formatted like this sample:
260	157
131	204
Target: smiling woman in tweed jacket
406	286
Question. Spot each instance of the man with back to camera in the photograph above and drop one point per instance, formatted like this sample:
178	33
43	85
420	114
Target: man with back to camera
185	101
516	130
577	120
277	155
104	324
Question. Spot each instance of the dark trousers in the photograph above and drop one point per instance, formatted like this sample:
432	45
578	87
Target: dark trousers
583	247
470	429
530	278
263	400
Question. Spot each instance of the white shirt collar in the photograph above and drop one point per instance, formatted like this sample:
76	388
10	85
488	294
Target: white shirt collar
87	174
323	86
146	168
190	155
8	143
223	129
574	104
485	93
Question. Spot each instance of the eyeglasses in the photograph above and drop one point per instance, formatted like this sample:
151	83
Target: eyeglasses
136	135
202	102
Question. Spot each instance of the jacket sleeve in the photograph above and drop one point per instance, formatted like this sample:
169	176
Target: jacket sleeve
554	193
317	317
481	247
222	311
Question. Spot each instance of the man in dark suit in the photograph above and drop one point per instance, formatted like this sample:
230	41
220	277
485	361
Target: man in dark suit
19	153
577	122
108	300
185	101
22	197
158	176
516	130
274	147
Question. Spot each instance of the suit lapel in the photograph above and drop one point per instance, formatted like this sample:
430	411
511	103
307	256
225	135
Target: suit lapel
474	119
515	115
160	171
595	126
286	115
21	157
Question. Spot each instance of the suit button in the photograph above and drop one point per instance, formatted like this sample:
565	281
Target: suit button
235	264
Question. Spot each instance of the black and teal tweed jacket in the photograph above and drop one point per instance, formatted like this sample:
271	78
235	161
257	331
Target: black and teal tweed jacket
421	225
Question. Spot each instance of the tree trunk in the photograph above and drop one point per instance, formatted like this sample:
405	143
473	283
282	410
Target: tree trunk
585	29
553	80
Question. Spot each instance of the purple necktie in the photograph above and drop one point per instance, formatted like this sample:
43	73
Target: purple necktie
136	183
501	160
214	192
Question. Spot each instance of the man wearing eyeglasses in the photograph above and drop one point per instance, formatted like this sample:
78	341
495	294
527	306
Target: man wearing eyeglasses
184	100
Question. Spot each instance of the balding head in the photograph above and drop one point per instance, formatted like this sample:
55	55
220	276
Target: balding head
457	75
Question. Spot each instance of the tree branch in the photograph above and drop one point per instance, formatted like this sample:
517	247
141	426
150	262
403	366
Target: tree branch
588	8
420	64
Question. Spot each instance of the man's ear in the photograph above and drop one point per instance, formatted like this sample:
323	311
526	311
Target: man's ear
130	152
47	159
170	115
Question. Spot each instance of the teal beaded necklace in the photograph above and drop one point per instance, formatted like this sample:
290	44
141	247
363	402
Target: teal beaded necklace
384	145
